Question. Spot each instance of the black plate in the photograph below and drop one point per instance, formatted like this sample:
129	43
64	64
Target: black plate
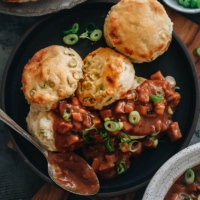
176	62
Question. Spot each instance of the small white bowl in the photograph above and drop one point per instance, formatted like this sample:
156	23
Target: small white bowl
174	4
173	168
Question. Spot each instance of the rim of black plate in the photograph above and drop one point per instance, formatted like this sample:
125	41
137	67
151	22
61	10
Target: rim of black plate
8	129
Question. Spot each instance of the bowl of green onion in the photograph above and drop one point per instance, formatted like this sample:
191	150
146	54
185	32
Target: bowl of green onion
184	6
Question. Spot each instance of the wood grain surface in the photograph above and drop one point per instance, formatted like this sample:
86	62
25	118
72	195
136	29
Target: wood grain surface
190	34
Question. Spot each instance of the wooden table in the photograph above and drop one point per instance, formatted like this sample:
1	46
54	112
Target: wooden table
190	34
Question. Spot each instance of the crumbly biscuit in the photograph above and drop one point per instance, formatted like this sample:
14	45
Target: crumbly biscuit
40	126
52	74
107	77
139	29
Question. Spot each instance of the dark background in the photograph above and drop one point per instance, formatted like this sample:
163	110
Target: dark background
17	180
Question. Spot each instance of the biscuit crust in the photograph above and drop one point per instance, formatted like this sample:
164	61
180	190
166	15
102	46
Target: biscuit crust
107	77
48	77
139	29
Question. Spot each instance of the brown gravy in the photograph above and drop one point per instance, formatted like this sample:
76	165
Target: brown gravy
154	118
72	171
180	186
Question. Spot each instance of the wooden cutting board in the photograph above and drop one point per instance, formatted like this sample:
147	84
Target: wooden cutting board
190	34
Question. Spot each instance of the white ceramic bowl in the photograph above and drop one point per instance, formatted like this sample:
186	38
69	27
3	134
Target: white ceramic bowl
173	168
174	4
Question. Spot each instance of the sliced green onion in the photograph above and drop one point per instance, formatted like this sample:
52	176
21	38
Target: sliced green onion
122	146
197	51
155	133
186	196
134	117
189	176
130	146
51	85
66	115
70	39
89	136
72	63
121	167
176	88
136	98
84	35
75	28
99	87
96	35
160	93
88	85
198	198
109	99
155	144
109	145
103	134
111	126
42	131
124	137
32	92
107	119
120	125
89	25
170	111
156	98
197	176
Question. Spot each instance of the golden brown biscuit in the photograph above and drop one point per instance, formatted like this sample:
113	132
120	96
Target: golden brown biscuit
52	74
139	29
107	77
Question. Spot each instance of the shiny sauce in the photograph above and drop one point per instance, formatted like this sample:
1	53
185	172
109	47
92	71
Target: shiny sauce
155	117
179	186
71	171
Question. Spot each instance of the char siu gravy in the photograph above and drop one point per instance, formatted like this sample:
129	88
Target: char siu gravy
186	187
72	171
124	129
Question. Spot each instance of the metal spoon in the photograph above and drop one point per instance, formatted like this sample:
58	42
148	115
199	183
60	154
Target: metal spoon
51	170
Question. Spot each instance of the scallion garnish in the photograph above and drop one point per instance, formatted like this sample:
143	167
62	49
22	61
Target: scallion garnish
89	136
134	117
73	29
130	146
84	35
121	167
111	126
123	144
109	99
70	39
155	143
103	134
107	119
96	35
42	131
124	137
136	98
156	98
196	51
66	115
160	93
176	88
90	25
189	176
109	144
197	176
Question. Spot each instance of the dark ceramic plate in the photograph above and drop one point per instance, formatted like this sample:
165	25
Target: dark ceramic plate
176	62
